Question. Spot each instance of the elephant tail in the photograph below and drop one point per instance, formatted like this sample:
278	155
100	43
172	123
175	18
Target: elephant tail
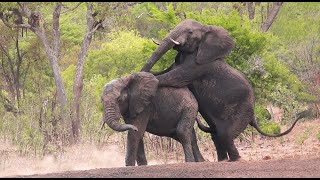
202	126
255	125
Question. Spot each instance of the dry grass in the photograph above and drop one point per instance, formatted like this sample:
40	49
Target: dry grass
302	142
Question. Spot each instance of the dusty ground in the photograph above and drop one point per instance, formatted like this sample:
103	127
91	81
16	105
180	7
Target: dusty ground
269	168
294	155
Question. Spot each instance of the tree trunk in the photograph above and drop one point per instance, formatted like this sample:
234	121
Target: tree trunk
78	79
53	55
251	9
18	73
7	75
12	75
271	16
239	7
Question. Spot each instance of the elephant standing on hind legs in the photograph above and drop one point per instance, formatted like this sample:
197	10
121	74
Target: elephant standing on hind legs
144	107
225	96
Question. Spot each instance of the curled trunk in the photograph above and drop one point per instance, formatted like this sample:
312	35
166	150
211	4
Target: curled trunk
112	118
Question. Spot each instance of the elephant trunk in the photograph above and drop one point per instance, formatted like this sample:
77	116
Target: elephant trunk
165	45
111	109
112	120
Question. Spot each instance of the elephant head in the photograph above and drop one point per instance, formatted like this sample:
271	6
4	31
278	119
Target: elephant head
211	42
127	96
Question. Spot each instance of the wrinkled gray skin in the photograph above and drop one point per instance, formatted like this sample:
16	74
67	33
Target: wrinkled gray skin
225	96
144	107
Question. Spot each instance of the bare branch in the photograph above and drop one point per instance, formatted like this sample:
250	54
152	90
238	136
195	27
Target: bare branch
68	9
55	28
94	29
16	25
23	26
5	22
26	12
127	3
6	53
251	9
271	16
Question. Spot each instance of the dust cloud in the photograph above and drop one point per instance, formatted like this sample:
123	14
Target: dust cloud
303	142
80	157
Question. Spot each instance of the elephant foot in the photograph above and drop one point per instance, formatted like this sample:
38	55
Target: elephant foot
238	159
142	163
224	160
200	160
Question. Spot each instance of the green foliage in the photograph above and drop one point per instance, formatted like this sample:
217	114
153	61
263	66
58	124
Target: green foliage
94	87
271	128
274	62
5	6
68	78
91	109
264	120
296	21
298	27
73	26
318	136
168	17
253	55
23	131
118	56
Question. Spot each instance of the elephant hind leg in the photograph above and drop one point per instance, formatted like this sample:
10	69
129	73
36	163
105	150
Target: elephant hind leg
217	140
195	149
233	151
220	146
241	119
183	133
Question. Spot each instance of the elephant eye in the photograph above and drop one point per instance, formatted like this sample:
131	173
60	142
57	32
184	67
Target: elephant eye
190	32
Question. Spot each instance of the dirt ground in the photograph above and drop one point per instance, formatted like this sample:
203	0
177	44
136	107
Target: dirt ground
294	155
290	168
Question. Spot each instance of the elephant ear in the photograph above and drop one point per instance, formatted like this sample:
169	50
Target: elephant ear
142	89
216	43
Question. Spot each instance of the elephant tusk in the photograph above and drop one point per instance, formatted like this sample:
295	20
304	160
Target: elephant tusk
154	41
175	42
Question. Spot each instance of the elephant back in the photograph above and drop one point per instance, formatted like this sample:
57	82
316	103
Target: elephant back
172	101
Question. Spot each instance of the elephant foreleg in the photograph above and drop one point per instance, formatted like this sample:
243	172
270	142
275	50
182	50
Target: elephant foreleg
182	75
141	156
134	140
165	71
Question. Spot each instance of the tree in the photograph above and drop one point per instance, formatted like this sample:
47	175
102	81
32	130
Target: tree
37	24
92	26
267	18
97	18
251	10
271	15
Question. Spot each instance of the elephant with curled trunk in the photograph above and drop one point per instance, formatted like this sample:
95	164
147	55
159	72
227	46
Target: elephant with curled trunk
144	107
225	96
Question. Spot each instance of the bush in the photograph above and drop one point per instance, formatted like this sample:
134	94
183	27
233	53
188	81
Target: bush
264	120
318	136
122	54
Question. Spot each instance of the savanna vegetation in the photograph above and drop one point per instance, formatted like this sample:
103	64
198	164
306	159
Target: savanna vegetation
55	58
